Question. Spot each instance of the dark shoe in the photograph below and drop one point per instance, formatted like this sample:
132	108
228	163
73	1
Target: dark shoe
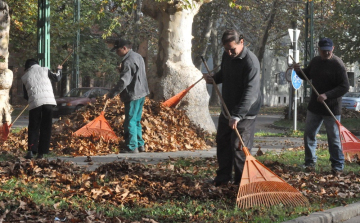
336	172
29	155
141	149
309	168
39	156
217	183
127	150
236	183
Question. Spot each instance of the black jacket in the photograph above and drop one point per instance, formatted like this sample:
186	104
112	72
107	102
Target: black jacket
328	77
240	78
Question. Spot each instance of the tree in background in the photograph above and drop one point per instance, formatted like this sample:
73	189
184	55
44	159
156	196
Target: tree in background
6	75
175	70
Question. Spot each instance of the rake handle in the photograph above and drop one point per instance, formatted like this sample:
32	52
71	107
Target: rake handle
317	93
67	57
106	102
19	115
227	115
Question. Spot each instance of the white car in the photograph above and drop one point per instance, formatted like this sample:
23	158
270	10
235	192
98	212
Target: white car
351	101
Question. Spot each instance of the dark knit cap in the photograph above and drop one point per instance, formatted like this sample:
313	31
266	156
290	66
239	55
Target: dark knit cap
30	62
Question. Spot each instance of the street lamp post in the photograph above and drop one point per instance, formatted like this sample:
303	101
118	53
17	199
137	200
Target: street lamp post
294	36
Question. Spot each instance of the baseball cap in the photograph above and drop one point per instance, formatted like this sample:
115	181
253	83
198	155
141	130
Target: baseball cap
326	44
120	43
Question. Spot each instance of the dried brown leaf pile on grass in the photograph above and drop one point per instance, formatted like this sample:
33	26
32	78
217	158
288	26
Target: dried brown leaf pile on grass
164	130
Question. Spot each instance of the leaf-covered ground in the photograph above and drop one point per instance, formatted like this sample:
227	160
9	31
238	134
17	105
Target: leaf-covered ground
176	191
68	192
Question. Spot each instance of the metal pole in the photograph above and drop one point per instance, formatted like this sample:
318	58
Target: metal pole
295	91
75	71
43	33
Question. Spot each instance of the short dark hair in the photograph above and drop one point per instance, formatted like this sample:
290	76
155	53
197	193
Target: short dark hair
121	43
231	35
30	62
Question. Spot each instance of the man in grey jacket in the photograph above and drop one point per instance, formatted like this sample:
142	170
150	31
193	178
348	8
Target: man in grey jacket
240	78
133	87
39	93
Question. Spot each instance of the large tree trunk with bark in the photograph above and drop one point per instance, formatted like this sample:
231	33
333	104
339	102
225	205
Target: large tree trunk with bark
175	69
6	75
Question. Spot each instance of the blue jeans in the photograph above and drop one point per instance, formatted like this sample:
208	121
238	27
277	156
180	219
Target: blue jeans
313	124
132	125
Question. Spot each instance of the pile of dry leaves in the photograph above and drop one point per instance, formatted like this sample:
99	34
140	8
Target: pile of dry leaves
164	129
346	113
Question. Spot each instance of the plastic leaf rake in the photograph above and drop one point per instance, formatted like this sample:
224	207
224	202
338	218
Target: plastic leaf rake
260	186
99	127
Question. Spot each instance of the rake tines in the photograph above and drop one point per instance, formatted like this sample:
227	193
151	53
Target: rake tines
262	187
350	143
99	127
269	193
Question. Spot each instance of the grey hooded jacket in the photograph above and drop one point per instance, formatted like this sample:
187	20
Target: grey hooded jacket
133	84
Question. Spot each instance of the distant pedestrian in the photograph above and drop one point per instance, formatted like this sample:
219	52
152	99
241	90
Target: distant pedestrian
328	75
39	93
240	78
133	87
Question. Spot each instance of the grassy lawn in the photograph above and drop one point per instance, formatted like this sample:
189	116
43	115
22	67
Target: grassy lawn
352	124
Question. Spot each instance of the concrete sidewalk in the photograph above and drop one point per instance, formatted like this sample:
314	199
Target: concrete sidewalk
346	214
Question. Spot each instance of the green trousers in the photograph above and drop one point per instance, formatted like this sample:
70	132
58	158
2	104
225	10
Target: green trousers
132	125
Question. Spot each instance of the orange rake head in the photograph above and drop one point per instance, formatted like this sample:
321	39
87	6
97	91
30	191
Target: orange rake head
260	186
4	132
99	127
350	143
173	101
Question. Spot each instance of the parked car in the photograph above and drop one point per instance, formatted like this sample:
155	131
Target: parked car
77	98
351	100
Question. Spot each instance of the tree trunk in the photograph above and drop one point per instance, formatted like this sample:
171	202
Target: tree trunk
260	50
175	69
202	32
214	98
6	75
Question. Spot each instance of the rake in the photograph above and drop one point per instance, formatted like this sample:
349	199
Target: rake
5	128
259	185
97	128
349	142
173	101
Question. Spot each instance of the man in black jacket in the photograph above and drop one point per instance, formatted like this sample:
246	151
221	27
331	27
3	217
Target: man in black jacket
328	75
240	78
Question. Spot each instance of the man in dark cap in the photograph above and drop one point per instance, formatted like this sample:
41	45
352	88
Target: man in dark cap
39	93
133	87
328	75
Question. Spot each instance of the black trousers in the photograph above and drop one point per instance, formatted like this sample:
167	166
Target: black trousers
40	123
228	152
